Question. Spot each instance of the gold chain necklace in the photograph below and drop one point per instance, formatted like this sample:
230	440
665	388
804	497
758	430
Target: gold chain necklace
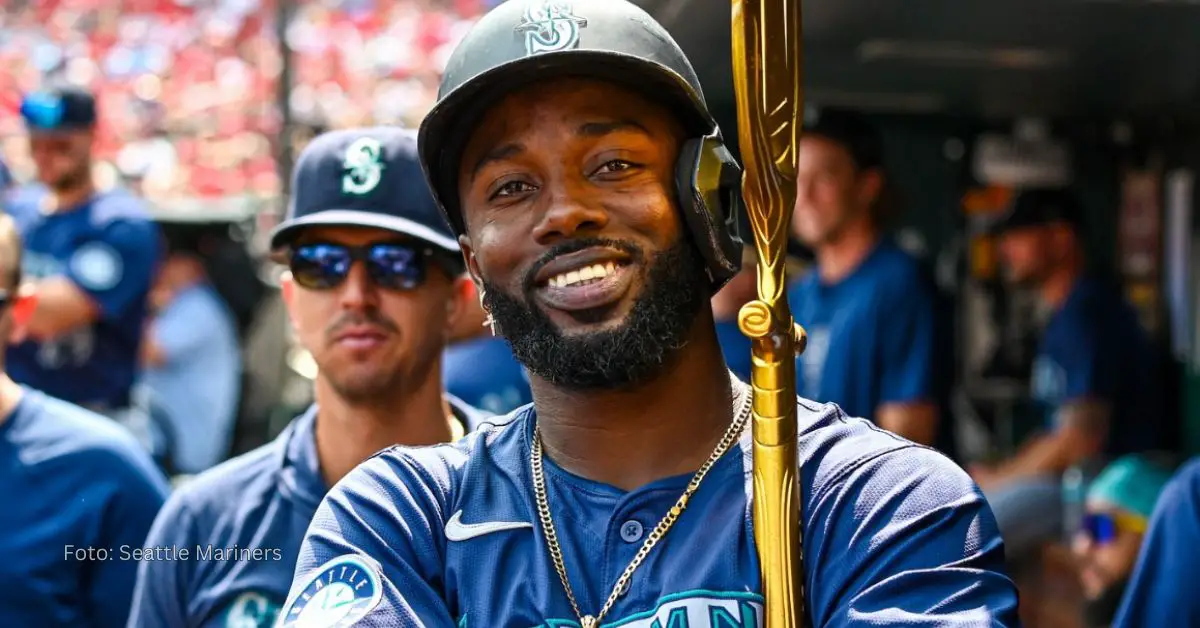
742	401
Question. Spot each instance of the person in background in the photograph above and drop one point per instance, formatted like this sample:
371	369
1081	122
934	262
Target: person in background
78	490
373	287
192	362
868	307
1093	375
1162	589
478	367
1119	504
90	255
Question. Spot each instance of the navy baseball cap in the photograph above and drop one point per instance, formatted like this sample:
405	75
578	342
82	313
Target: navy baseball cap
1038	207
60	108
850	130
367	177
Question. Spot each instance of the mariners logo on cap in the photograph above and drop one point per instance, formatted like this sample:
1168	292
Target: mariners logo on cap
363	166
549	27
338	594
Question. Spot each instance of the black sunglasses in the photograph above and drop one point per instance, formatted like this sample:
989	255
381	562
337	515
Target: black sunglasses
390	265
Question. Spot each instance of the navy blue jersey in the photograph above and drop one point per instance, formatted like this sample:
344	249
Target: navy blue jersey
241	523
483	372
110	249
894	535
1094	347
80	495
871	336
1162	590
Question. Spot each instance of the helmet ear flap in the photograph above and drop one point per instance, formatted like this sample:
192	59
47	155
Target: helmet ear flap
708	182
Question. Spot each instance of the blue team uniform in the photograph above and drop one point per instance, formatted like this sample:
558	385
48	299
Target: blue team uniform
257	506
894	534
110	248
870	336
1094	347
874	337
483	372
74	483
1162	590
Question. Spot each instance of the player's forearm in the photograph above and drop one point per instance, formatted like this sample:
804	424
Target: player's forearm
1083	428
915	421
1041	456
61	308
1047	454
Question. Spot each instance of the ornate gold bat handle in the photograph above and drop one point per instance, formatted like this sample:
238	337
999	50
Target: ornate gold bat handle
767	78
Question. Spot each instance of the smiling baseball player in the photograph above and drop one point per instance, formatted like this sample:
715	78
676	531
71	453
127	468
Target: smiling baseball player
567	149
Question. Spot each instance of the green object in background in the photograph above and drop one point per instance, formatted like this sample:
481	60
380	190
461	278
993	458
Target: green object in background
1131	483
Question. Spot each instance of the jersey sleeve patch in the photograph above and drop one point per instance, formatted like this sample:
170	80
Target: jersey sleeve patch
97	266
336	595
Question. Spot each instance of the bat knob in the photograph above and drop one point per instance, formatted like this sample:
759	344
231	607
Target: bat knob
801	338
755	319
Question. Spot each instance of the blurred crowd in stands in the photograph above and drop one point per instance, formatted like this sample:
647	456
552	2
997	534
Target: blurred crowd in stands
187	89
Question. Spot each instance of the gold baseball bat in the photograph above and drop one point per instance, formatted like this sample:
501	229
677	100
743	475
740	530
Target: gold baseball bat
767	78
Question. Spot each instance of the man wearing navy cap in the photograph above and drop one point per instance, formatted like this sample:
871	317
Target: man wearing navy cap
868	306
375	283
91	255
1093	376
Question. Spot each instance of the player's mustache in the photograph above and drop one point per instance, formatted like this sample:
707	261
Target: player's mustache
572	246
358	319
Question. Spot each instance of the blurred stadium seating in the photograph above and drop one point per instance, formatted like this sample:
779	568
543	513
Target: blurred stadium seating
187	88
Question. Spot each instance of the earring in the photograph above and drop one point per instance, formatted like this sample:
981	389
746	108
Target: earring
488	322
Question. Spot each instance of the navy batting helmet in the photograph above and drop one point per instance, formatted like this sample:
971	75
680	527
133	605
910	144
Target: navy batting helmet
526	41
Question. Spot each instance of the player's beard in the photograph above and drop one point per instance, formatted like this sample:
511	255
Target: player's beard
636	351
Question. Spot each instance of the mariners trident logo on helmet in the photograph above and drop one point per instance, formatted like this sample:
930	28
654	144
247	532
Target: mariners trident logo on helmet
549	27
364	166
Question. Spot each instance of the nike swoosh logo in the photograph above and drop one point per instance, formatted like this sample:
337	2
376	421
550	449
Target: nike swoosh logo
456	530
